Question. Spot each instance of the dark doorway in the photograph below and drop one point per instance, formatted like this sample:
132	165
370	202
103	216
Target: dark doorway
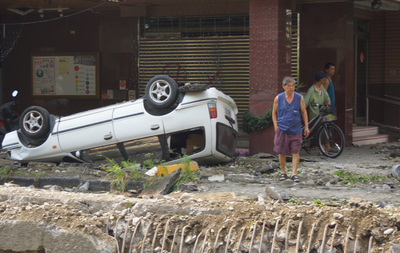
361	74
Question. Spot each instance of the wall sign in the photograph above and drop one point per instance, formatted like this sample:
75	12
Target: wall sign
66	75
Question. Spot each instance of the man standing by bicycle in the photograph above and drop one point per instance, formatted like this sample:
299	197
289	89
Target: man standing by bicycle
287	111
316	94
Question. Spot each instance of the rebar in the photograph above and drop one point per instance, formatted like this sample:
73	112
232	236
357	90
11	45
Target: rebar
216	238
311	235
115	234
133	234
298	237
333	238
197	240
324	238
229	238
262	236
154	238
182	238
370	244
252	237
145	236
165	235
356	244
126	233
241	238
273	237
287	235
173	240
204	242
346	240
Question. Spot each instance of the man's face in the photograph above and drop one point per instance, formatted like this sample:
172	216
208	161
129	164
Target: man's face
331	70
322	80
289	87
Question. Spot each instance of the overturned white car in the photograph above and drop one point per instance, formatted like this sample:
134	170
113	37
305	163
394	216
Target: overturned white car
200	123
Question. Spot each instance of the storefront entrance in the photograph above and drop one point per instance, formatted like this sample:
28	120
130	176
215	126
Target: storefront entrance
361	71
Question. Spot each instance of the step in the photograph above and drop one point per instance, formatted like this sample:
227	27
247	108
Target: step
367	140
363	131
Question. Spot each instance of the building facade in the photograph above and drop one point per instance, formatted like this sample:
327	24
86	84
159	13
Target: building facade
243	47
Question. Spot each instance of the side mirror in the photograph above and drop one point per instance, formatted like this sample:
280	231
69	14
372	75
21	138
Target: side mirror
14	93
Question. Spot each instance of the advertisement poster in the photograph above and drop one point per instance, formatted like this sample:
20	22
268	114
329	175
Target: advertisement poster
65	75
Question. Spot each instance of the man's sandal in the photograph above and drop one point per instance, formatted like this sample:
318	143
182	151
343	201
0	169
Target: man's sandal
282	177
330	152
307	149
295	178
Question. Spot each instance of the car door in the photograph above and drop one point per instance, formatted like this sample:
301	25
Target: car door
86	130
131	121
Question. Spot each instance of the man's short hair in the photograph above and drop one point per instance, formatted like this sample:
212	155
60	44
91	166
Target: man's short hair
328	65
288	79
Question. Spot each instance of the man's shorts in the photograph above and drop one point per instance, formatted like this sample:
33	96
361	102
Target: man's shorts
287	144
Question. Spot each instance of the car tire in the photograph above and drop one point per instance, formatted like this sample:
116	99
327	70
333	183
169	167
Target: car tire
161	91
35	122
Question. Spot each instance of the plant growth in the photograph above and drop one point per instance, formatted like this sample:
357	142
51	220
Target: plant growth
122	174
348	177
7	171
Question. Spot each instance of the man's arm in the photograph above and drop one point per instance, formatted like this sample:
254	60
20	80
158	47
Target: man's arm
274	113
327	100
304	116
326	84
307	98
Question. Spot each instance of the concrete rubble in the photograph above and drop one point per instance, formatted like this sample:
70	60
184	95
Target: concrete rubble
234	207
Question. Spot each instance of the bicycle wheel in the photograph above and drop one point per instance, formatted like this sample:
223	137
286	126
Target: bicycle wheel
330	140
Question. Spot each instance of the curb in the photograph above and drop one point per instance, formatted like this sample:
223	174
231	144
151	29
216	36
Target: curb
70	182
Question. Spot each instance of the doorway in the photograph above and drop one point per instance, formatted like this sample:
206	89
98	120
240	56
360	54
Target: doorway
361	71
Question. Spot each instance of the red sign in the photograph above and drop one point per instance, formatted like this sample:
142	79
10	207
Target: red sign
122	84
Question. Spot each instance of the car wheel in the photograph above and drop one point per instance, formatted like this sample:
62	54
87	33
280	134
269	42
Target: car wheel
161	91
35	122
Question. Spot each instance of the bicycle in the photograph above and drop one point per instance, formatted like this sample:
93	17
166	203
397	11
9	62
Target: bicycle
328	133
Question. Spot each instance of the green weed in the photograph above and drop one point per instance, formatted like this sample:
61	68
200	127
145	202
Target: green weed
120	176
37	175
318	202
186	175
348	177
7	171
295	201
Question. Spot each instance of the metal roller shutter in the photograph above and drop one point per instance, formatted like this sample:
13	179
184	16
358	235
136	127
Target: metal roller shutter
222	62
